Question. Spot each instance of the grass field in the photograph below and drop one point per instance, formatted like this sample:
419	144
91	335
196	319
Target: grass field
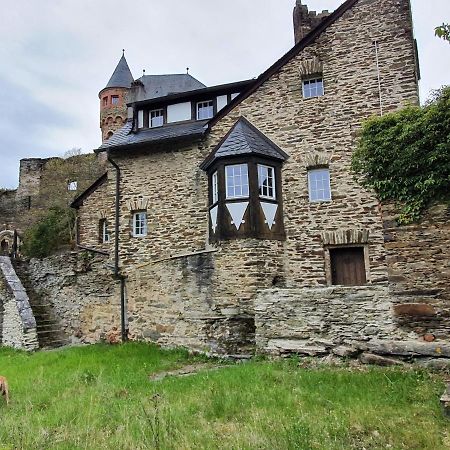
101	397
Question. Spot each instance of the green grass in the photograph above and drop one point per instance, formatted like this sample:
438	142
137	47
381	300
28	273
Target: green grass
100	397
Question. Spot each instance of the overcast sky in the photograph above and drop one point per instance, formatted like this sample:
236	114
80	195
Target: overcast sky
57	55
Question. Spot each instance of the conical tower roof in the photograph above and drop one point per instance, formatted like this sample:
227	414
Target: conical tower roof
121	76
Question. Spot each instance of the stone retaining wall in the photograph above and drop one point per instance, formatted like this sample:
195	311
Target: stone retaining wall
18	328
345	321
81	291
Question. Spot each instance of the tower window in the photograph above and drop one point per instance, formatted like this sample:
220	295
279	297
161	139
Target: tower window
237	180
319	185
105	101
114	99
205	110
156	118
313	87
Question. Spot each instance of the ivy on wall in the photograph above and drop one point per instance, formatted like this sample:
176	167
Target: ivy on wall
405	155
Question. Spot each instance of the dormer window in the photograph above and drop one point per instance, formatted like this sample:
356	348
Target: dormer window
205	110
313	87
156	118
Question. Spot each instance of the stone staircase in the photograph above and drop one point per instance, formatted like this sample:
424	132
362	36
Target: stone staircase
49	330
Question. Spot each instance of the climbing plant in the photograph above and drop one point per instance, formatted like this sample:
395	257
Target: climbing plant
405	156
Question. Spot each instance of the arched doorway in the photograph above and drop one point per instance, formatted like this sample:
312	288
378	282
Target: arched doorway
4	247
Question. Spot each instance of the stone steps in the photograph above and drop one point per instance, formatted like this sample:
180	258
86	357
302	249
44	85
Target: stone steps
49	331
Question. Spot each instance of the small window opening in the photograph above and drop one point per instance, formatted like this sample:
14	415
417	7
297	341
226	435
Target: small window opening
313	87
319	185
104	232
105	101
140	224
114	99
72	185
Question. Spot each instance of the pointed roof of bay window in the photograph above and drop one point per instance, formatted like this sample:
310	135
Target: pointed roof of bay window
244	139
121	77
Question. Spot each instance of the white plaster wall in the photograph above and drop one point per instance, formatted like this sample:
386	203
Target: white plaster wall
179	112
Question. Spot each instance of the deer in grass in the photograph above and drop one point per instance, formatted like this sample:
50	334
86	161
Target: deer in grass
4	391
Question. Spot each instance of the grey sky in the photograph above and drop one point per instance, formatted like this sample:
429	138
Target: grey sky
57	55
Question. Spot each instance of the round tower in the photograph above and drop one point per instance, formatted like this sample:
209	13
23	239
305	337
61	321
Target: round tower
113	99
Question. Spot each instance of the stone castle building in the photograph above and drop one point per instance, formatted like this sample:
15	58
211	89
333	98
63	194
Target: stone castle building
230	221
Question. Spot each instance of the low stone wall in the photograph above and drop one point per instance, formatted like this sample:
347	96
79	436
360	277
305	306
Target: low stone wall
81	291
345	321
18	327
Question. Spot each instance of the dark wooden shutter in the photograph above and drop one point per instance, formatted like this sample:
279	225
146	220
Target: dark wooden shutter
347	266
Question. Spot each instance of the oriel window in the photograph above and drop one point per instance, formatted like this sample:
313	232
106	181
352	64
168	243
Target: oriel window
236	177
266	181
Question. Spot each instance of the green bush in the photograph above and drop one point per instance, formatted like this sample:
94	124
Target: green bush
405	156
53	231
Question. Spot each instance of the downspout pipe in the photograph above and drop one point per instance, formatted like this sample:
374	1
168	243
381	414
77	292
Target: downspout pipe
117	274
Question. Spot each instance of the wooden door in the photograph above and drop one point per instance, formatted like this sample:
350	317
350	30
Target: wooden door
347	266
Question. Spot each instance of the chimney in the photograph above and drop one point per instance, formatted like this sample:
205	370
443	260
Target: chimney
305	21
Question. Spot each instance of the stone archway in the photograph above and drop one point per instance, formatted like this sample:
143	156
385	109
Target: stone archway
6	242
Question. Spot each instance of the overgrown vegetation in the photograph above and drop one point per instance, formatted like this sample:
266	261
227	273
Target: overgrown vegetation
443	31
52	232
101	397
405	156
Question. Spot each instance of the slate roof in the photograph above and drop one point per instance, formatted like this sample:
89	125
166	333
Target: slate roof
121	76
155	86
125	137
244	139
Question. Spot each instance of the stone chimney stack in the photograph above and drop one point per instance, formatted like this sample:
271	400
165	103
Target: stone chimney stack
305	21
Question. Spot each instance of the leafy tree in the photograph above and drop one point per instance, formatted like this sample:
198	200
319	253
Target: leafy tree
405	156
443	31
50	233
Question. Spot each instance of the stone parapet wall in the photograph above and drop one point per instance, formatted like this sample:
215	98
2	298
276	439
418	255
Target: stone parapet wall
18	328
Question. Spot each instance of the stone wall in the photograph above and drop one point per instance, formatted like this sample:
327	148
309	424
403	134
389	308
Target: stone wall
82	293
418	258
344	321
18	326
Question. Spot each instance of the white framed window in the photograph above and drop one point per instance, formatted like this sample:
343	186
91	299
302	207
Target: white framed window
313	87
205	110
72	186
156	118
266	181
236	178
215	187
140	224
104	233
319	185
